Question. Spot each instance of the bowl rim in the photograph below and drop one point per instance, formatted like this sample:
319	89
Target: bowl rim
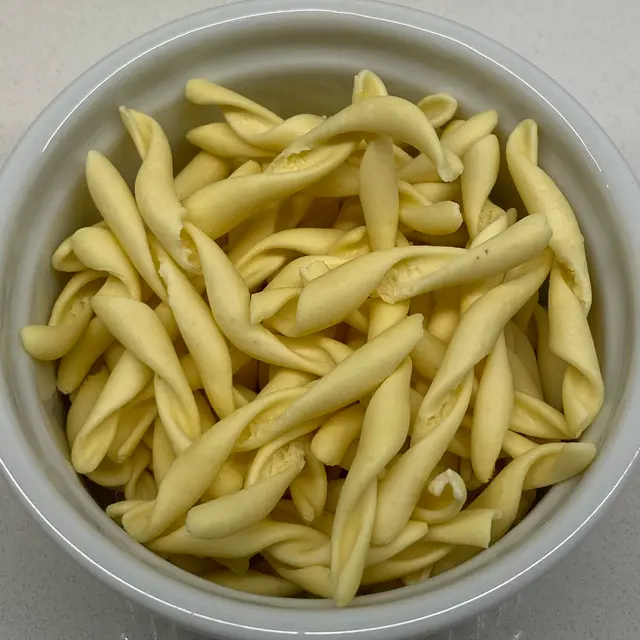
239	619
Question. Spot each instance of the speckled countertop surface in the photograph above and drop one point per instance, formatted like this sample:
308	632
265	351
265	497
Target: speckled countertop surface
590	47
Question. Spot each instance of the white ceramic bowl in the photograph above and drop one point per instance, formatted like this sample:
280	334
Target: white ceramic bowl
300	55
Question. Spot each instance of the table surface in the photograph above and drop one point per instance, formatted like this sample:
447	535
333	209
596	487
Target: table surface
585	46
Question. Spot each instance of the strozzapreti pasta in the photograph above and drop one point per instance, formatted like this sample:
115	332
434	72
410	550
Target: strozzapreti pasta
317	361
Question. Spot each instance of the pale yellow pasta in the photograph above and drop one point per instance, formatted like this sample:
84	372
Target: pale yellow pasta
155	190
481	164
252	122
569	288
217	208
456	139
229	300
133	423
551	368
227	515
334	437
77	362
194	469
387	116
443	500
50	342
384	430
118	207
83	284
138	328
354	377
461	137
201	335
512	247
305	241
220	140
319	362
439	191
309	488
243	237
203	169
439	108
445	315
254	582
99	249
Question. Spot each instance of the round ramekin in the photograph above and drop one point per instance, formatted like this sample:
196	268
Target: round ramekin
301	55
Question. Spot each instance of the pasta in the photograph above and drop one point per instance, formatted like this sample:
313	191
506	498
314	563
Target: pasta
318	358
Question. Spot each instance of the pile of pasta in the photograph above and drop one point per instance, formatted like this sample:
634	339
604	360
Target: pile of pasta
317	361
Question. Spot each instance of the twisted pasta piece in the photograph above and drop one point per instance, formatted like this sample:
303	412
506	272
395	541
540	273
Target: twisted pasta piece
133	422
471	527
227	515
94	341
155	189
333	438
446	313
306	241
250	121
457	140
108	473
309	488
327	300
350	380
82	284
377	174
53	341
417	557
219	207
77	362
400	489
494	400
552	368
385	116
570	339
261	584
138	328
492	411
202	337
438	191
246	543
229	300
569	288
439	108
193	471
540	194
242	238
499	253
444	499
116	204
384	430
220	140
204	169
141	485
481	164
99	249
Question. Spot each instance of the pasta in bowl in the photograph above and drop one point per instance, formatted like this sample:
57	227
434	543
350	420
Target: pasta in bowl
339	354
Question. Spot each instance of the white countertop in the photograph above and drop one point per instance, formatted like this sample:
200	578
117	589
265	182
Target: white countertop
590	47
